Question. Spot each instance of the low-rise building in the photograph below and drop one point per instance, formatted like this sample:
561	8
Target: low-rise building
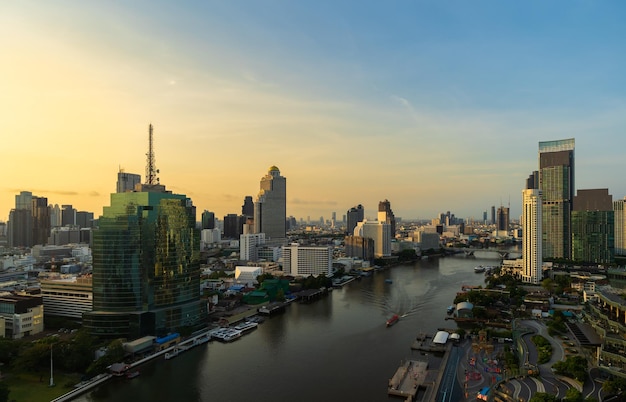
67	297
23	315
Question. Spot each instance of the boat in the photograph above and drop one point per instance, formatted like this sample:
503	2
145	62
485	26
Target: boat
246	326
479	269
388	281
226	334
394	319
132	374
451	309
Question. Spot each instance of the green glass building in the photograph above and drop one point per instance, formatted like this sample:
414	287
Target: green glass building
593	227
146	267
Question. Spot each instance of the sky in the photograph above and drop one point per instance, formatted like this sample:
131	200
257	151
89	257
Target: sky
434	105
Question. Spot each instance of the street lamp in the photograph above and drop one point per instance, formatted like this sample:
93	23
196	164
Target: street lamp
51	372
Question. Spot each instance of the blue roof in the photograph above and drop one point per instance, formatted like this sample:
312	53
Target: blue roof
484	391
167	338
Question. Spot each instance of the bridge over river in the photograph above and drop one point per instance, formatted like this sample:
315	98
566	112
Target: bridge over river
502	254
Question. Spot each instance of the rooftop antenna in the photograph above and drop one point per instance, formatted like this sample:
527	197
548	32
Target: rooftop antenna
151	170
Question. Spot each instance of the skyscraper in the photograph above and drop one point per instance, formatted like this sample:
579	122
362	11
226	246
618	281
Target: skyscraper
556	182
270	208
20	227
385	214
41	220
208	220
146	264
620	226
127	181
593	227
502	222
355	215
68	215
247	209
531	231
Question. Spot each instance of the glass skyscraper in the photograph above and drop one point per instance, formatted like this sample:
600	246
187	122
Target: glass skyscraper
146	266
556	182
270	208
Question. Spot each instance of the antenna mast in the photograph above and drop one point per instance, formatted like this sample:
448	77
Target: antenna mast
151	170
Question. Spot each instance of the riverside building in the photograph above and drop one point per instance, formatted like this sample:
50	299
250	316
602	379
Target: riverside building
270	208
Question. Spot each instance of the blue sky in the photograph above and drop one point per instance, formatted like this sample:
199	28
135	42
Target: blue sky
434	105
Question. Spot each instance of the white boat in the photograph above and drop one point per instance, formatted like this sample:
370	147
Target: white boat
479	269
226	334
246	326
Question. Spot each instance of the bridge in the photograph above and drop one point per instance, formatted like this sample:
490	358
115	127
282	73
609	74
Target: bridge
469	252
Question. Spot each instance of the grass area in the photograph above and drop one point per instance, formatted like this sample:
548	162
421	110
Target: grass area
28	387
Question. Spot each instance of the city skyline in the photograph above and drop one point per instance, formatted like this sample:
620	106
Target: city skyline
432	106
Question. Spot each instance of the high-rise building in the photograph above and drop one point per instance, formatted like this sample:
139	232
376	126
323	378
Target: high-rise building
68	215
248	244
20	226
556	182
354	215
55	215
146	264
385	214
502	222
247	209
380	232
233	226
593	227
307	260
620	226
84	219
270	208
493	214
359	247
531	231
41	220
127	181
208	220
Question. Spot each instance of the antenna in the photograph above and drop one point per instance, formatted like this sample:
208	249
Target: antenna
151	170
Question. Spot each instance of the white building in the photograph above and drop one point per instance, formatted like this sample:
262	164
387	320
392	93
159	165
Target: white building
247	275
531	241
426	239
67	297
23	316
307	260
378	231
210	236
248	244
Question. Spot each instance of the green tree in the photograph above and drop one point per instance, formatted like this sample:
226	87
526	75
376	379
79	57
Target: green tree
543	397
573	395
4	392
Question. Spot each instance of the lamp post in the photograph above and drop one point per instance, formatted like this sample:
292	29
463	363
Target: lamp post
51	375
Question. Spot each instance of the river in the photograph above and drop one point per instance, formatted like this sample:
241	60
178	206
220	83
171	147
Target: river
337	348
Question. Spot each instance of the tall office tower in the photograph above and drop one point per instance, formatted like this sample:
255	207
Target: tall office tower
84	219
41	220
532	256
20	225
485	217
55	215
127	181
354	215
146	266
593	227
533	180
359	247
248	244
307	260
247	209
68	215
556	182
620	226
233	226
380	232
385	214
208	220
493	214
270	208
503	219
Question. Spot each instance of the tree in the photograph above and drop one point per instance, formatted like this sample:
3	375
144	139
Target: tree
543	397
573	395
4	392
547	284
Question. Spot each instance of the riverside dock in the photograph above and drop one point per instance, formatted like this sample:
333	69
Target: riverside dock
409	378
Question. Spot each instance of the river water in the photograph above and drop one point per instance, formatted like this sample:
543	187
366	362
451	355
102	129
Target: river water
334	349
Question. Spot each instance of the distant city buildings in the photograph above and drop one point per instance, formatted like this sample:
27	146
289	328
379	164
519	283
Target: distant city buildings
127	181
385	214
270	208
378	231
502	223
208	220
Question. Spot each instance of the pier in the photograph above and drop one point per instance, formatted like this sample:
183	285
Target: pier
409	377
